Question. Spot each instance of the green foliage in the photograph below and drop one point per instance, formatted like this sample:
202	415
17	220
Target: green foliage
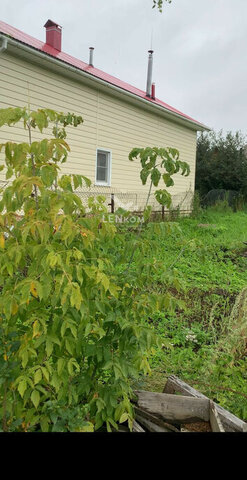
221	162
157	164
72	328
201	267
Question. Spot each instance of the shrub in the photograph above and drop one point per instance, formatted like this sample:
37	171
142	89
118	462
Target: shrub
72	329
71	332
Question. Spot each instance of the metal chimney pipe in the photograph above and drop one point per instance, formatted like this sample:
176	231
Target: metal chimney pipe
91	49
149	75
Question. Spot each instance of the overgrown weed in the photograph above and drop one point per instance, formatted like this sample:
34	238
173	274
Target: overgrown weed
200	341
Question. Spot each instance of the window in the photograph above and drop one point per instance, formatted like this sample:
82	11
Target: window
103	167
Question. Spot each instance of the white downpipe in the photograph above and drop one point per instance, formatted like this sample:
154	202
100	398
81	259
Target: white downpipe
3	43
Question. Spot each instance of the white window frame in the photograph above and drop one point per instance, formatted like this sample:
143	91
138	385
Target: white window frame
109	152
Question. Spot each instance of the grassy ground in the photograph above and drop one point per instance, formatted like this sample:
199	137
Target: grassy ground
206	258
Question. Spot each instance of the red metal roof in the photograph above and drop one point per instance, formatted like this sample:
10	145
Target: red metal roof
64	57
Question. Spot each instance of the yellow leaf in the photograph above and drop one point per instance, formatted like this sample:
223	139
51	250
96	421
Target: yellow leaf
87	428
2	240
33	290
36	329
5	357
14	308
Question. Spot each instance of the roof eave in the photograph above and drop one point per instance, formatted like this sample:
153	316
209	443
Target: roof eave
89	76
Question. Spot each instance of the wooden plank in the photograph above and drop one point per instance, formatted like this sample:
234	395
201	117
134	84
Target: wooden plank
174	385
137	427
174	408
245	427
150	426
230	422
215	421
155	419
121	429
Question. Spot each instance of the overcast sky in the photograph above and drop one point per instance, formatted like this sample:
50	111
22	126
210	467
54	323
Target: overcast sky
200	48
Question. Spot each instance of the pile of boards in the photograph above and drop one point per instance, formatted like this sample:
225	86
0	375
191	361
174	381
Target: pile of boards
181	408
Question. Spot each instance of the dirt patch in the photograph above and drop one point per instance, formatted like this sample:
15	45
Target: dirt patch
197	427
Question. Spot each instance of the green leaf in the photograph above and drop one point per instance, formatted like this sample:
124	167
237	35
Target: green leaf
22	387
49	347
37	376
44	423
60	365
45	373
114	290
145	172
70	366
155	176
88	329
168	180
76	296
87	427
163	197
56	381
87	181
24	358
35	397
124	417
103	279
69	345
48	174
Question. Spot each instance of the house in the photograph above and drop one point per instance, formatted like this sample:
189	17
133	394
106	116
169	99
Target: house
117	116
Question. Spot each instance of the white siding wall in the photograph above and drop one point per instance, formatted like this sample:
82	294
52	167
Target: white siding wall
109	123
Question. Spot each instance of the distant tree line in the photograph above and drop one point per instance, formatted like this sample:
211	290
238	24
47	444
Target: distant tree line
221	163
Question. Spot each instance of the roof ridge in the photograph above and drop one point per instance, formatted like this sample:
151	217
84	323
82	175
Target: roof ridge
67	58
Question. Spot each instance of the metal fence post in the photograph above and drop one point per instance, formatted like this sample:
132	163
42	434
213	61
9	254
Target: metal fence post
112	203
163	213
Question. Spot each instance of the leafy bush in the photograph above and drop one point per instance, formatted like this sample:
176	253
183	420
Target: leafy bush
73	330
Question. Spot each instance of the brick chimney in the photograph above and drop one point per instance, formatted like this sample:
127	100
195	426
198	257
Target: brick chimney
53	35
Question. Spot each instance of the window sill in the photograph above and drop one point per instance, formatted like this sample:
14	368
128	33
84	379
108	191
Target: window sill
102	184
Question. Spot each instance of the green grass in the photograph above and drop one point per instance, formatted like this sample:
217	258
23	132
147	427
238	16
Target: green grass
201	270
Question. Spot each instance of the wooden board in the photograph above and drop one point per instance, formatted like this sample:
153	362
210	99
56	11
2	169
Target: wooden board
230	422
137	427
121	429
174	408
143	414
215	421
150	426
